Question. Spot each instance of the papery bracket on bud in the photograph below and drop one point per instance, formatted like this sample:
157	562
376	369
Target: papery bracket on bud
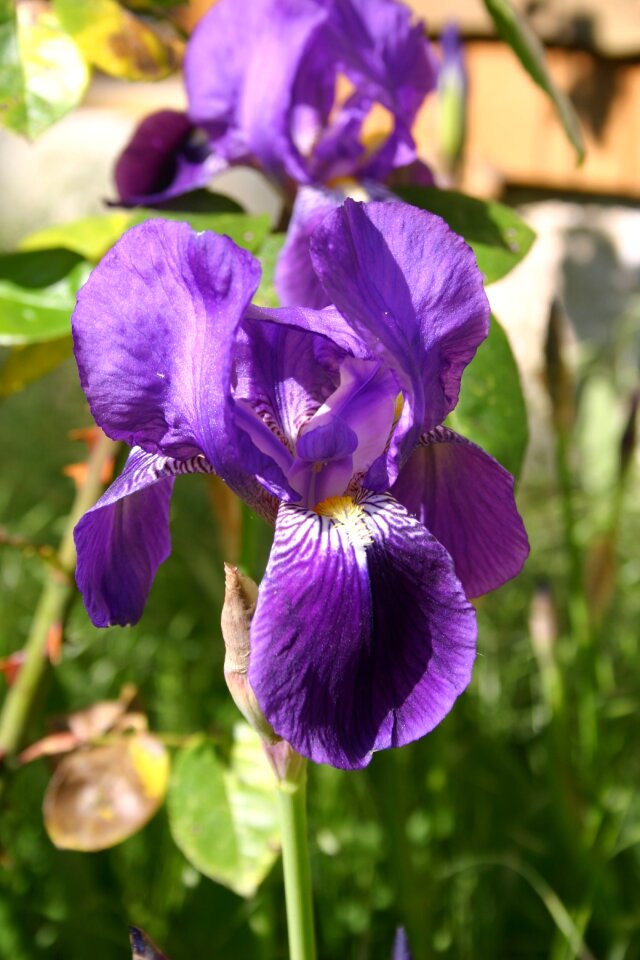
241	594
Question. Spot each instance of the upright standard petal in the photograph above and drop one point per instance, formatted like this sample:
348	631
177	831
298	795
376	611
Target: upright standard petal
465	498
154	333
124	538
240	69
410	286
362	637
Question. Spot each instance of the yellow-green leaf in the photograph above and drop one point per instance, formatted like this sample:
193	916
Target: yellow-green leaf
117	41
225	818
43	75
89	237
32	361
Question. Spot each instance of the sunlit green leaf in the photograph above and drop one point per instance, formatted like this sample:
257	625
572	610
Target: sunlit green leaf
269	253
28	363
29	314
491	410
117	41
89	237
247	231
225	818
43	75
497	235
514	30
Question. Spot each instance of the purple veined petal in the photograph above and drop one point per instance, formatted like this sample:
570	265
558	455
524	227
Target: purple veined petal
465	498
411	286
240	69
124	538
296	281
282	374
154	336
326	322
362	637
366	403
393	55
166	157
391	63
401	949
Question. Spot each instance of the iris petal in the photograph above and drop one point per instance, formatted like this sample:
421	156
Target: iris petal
164	159
154	332
465	498
124	538
362	638
410	287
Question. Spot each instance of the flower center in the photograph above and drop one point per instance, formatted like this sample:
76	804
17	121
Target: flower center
349	517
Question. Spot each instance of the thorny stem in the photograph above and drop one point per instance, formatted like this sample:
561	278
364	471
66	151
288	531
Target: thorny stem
297	872
50	610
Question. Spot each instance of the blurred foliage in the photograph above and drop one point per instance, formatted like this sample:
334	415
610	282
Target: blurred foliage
47	51
43	72
513	28
224	817
499	238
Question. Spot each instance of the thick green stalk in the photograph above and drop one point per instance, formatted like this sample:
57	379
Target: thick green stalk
297	872
50	610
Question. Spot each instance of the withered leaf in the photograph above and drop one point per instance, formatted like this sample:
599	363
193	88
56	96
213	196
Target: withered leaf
100	796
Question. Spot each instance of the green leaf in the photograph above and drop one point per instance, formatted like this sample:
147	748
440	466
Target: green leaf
117	41
514	30
43	73
247	231
491	410
499	238
31	312
266	295
225	819
89	237
28	363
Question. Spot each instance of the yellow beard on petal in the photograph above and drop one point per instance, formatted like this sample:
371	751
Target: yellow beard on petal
349	517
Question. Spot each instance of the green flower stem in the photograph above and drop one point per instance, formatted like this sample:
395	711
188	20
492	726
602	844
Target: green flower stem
50	611
297	872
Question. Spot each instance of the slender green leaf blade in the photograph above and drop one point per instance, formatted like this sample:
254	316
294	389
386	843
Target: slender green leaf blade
225	819
491	410
514	30
499	238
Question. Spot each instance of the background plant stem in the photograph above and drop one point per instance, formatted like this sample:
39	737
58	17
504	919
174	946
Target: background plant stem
58	589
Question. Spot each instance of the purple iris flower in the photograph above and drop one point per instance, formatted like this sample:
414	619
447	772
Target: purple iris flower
288	86
329	424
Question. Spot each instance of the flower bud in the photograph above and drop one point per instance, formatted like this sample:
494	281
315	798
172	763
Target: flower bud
452	99
240	598
629	437
558	374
